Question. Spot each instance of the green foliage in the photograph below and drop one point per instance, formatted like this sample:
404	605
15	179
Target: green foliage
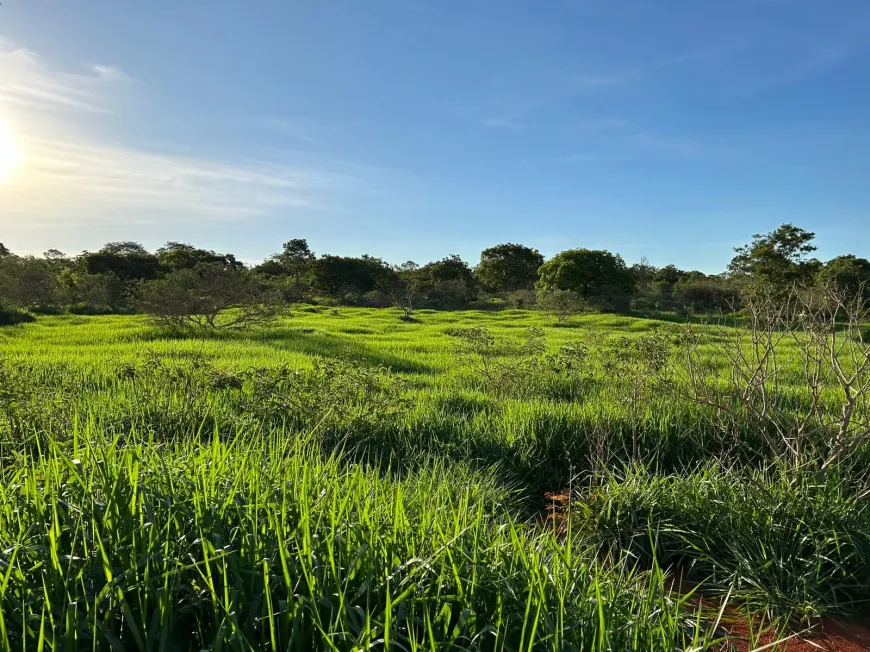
598	277
174	256
129	261
343	277
347	481
778	258
209	296
262	544
447	284
562	304
848	272
27	282
705	294
509	267
13	317
791	543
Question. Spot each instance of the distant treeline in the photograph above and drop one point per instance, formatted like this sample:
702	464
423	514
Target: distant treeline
124	277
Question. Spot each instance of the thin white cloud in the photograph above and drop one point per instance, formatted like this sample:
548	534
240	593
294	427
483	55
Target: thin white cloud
73	170
813	63
502	122
626	75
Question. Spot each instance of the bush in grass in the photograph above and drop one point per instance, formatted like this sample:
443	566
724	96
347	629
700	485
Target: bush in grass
335	395
207	297
13	317
562	304
522	299
523	370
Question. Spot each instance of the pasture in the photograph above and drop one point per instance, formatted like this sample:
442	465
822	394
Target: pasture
346	480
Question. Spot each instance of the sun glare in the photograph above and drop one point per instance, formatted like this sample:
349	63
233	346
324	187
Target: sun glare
9	154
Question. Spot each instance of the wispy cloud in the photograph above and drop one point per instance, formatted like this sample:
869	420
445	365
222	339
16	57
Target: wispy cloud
508	116
72	170
804	67
619	77
502	122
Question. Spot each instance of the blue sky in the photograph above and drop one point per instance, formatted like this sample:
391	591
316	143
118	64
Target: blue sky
409	129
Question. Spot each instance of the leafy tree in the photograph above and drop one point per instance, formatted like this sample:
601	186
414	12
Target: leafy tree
848	272
668	274
449	268
56	256
448	283
597	276
92	294
402	288
129	261
124	248
562	304
28	282
209	296
4	251
508	267
178	255
778	258
340	276
700	293
296	257
643	273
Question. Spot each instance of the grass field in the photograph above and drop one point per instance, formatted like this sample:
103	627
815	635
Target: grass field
346	480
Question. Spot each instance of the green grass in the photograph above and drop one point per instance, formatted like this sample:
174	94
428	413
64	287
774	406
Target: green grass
178	492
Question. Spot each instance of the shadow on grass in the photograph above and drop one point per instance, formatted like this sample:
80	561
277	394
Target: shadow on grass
328	345
308	341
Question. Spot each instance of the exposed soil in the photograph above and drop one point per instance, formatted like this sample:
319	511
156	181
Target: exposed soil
556	510
828	636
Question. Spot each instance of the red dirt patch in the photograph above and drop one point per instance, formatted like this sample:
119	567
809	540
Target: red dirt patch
829	636
556	512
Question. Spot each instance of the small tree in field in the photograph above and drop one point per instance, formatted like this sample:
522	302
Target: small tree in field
211	297
401	287
562	304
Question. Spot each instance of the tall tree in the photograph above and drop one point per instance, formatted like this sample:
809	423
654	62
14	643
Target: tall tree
4	251
124	248
179	255
779	257
296	257
848	272
508	267
129	261
446	283
597	276
339	276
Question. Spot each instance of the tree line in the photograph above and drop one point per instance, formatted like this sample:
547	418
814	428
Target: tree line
184	284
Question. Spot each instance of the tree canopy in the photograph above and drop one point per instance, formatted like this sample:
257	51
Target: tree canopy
508	267
779	257
179	255
848	272
595	275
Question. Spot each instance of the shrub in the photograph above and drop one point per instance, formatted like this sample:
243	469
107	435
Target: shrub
13	317
562	304
521	299
207	297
